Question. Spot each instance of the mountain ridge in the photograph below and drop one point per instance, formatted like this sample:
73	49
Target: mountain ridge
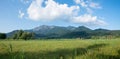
45	31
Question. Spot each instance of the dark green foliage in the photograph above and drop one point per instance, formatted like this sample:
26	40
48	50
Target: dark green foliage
101	32
26	35
20	34
2	36
81	34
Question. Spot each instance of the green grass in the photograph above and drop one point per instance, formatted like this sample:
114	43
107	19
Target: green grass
60	49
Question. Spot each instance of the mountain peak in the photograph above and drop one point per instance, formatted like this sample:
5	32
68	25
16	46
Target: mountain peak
45	27
82	28
100	29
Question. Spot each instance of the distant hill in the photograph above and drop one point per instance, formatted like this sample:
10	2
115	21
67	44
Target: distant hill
45	31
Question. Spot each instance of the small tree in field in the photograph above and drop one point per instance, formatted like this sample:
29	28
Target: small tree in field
27	36
23	35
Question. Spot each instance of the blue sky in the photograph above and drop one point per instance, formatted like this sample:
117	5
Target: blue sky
27	14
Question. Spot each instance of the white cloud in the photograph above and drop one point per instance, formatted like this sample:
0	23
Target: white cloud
77	1
87	18
21	14
88	5
50	11
81	2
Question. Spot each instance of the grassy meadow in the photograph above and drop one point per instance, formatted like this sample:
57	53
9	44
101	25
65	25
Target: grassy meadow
60	49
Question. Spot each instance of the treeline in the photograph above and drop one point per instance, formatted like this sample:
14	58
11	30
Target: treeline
82	34
3	36
93	34
18	35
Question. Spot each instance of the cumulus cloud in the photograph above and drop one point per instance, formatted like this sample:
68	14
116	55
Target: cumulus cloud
49	10
21	14
88	18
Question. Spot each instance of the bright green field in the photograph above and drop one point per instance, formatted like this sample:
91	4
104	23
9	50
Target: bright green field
60	49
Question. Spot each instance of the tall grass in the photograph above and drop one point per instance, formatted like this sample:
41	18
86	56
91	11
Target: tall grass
10	54
60	49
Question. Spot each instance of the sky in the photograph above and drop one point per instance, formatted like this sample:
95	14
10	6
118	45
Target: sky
28	14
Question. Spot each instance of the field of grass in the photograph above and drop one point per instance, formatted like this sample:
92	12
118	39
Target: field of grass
60	49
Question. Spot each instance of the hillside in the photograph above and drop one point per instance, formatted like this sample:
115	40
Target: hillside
45	31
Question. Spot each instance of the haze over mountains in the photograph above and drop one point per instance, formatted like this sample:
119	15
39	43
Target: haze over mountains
45	31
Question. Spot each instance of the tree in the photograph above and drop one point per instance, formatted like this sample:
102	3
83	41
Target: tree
27	36
3	36
20	34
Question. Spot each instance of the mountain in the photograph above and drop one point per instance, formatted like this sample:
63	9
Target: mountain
101	32
45	31
82	28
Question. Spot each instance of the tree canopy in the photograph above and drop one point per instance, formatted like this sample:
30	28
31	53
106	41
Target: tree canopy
20	34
